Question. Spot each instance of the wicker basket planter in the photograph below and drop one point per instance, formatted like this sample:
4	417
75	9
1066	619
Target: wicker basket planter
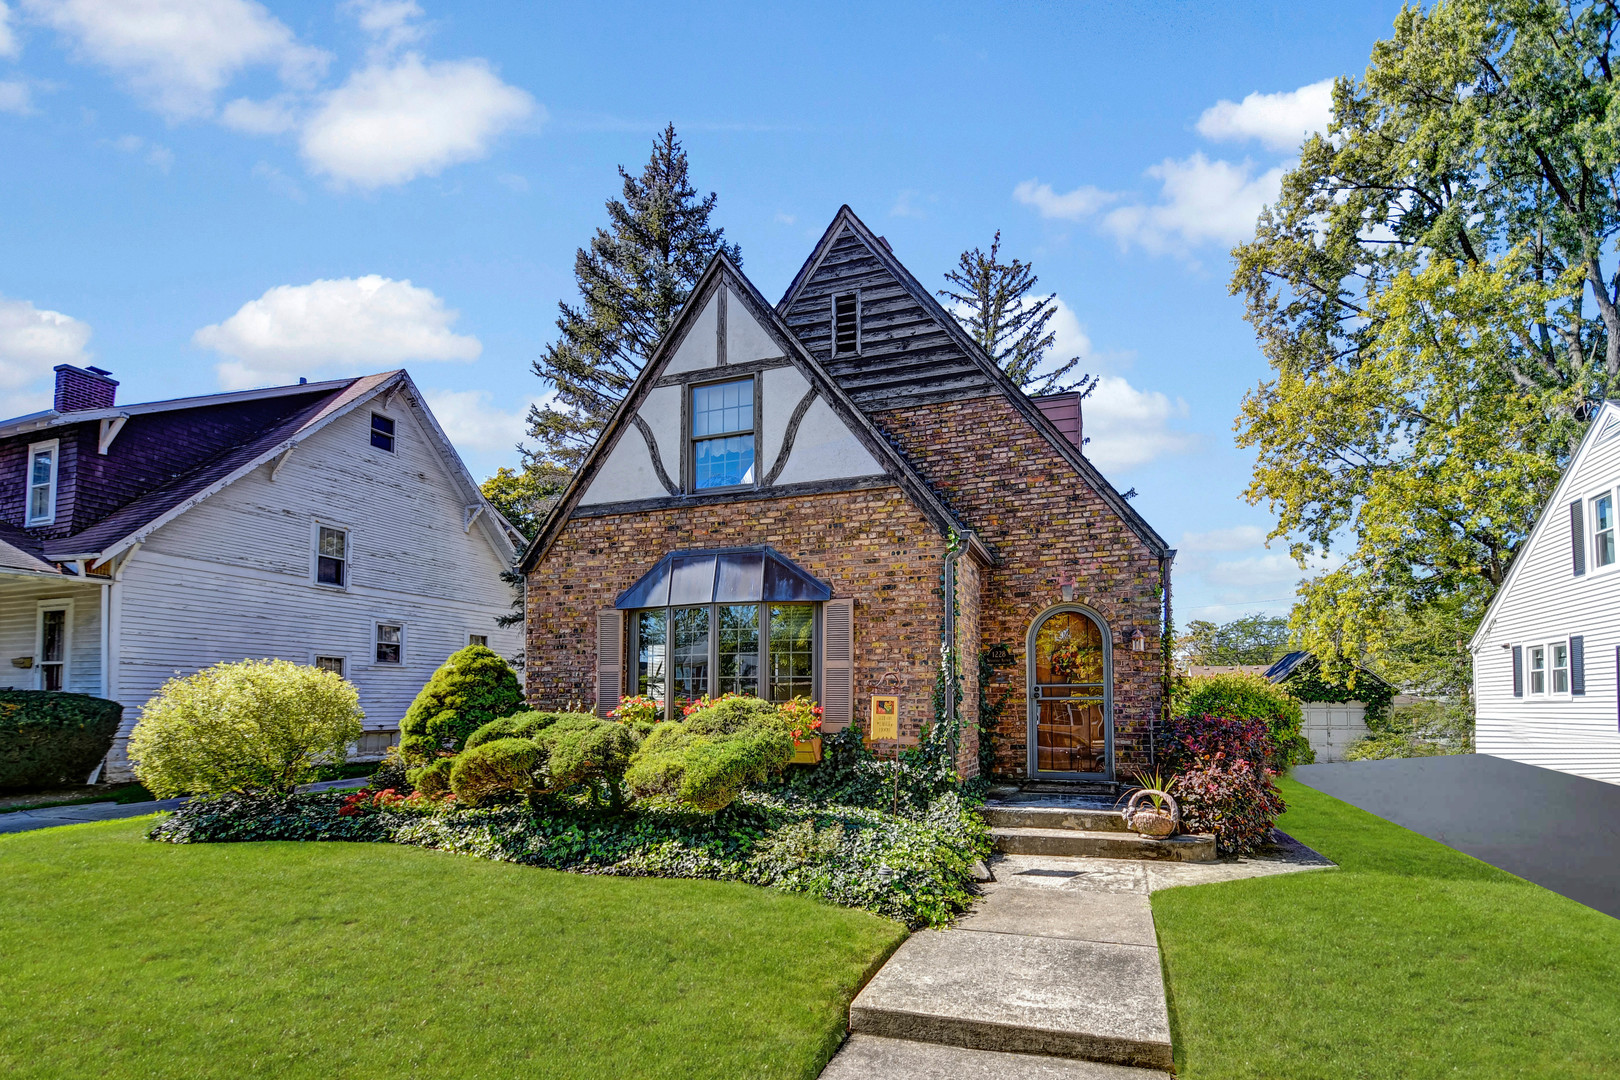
1142	817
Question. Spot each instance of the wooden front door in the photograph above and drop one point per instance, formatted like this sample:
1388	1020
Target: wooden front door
1070	703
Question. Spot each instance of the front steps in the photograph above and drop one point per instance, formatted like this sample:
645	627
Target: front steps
1086	827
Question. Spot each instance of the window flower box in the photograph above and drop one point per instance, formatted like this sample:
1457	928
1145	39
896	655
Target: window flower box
807	752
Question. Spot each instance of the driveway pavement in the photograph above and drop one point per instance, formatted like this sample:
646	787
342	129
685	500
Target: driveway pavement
50	816
1560	831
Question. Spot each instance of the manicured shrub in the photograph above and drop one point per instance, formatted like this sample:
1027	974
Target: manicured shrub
705	760
523	725
583	750
1252	697
49	738
255	725
391	774
1235	801
1188	739
473	687
433	779
493	770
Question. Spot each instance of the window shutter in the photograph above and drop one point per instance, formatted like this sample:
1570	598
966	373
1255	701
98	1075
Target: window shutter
1577	664
1518	671
837	665
1577	541
609	660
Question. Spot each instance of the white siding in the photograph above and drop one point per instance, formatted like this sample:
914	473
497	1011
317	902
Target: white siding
746	340
698	347
233	577
1543	601
19	626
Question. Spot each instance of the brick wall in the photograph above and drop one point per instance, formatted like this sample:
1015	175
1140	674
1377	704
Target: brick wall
1043	522
872	546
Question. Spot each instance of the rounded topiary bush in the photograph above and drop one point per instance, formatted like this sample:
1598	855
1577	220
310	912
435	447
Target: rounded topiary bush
523	725
581	749
501	767
1249	697
49	738
473	687
705	760
255	725
432	779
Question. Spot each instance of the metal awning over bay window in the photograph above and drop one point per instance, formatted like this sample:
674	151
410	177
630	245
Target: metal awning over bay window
738	620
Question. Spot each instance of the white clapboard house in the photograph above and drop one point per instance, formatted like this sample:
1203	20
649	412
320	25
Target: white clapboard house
326	523
1547	654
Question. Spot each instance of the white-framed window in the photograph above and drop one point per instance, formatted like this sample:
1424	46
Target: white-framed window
42	469
389	643
1603	530
1560	666
330	662
478	639
382	432
331	555
53	644
1538	669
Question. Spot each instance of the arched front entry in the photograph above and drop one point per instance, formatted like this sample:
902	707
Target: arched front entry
1070	663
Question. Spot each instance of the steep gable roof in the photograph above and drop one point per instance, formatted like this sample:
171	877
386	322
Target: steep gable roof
919	353
721	273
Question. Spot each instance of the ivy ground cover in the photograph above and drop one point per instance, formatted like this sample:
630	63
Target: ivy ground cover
1411	960
120	957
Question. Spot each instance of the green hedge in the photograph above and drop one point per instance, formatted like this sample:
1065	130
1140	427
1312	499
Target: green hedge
48	738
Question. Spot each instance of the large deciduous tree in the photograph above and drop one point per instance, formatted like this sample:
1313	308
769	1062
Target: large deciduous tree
633	279
1252	639
992	300
1436	291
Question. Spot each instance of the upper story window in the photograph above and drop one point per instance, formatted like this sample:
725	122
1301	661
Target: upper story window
331	556
41	495
846	324
382	432
390	641
1603	530
723	434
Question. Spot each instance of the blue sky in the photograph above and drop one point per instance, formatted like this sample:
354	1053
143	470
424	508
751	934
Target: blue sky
208	194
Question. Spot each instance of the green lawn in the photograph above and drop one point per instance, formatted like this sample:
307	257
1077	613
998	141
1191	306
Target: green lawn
1411	960
120	957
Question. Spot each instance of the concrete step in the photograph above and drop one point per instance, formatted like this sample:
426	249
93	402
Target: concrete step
868	1057
1106	788
1099	844
1016	994
1086	818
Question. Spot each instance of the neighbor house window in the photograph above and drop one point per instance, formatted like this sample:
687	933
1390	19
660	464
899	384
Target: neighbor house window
331	556
42	482
334	664
762	650
1560	667
390	643
1603	530
478	639
51	648
723	434
382	432
846	324
1538	669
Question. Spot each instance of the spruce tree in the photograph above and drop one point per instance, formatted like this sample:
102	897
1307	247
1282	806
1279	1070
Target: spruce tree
992	300
633	279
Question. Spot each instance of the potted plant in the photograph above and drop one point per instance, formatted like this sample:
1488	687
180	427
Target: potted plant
1152	810
803	718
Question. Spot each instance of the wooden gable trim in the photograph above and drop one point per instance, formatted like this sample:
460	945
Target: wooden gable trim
846	218
722	274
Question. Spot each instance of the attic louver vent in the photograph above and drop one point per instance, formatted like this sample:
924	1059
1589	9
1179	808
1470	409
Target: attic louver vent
846	324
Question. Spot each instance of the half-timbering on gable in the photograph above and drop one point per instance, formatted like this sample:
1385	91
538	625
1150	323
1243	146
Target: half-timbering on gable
829	496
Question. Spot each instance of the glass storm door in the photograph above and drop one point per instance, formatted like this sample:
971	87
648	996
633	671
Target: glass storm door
1070	726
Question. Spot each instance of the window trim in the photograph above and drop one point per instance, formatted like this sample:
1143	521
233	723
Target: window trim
471	635
393	434
54	448
632	652
341	656
689	441
404	643
315	554
1531	670
1594	566
64	605
832	326
1553	669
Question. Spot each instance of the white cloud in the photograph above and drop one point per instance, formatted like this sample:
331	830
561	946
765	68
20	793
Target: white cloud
271	117
9	45
33	341
1199	201
1075	205
1279	121
514	182
1130	427
389	22
15	98
390	124
278	181
154	154
474	424
1069	337
1233	569
178	54
1236	538
353	324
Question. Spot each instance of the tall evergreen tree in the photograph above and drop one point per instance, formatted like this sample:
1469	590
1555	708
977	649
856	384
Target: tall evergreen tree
992	300
633	279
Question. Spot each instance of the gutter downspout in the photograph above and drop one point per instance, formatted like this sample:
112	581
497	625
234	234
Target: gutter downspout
952	554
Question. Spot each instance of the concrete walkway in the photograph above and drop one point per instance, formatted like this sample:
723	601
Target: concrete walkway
1054	975
50	816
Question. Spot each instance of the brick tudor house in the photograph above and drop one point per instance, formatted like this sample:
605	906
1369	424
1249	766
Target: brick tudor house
820	497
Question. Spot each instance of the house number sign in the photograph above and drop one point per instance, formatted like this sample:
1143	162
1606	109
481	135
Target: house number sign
885	720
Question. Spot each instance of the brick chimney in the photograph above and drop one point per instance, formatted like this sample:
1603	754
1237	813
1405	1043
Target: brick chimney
1064	412
84	388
